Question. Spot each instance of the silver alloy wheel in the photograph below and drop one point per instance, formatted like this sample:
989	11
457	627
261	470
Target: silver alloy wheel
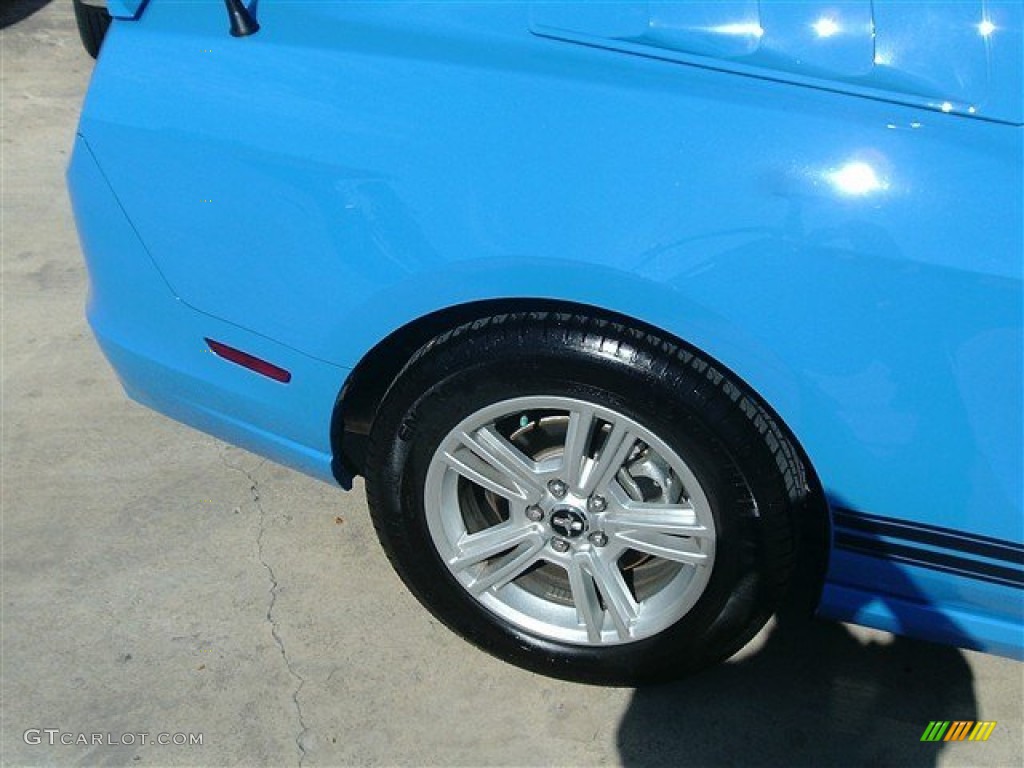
570	520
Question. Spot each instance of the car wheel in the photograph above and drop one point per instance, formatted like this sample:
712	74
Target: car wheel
583	499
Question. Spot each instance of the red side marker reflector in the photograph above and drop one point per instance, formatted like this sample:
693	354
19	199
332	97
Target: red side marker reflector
246	360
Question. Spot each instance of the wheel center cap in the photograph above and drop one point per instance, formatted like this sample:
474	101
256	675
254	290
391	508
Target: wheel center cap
568	522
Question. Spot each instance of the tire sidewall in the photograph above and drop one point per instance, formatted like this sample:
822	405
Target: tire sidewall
433	396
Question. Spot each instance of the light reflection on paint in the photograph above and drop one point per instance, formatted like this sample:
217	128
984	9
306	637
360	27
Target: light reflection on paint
986	28
856	179
750	29
825	27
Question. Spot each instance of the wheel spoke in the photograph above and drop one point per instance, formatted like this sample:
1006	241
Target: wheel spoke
510	568
678	548
590	576
669	531
486	458
617	599
616	448
672	519
577	438
522	545
474	547
584	595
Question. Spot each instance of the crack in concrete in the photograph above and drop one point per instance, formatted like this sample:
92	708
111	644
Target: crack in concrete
254	491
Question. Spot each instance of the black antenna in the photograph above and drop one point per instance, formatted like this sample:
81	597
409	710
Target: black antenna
242	21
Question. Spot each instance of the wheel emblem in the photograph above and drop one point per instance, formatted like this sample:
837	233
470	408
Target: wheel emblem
568	522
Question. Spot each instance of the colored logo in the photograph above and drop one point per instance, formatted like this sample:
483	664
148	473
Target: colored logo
958	730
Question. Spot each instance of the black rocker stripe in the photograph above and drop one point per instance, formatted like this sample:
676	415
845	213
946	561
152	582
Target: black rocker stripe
936	561
932	535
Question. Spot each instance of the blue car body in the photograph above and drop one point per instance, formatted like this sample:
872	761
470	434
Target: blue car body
824	197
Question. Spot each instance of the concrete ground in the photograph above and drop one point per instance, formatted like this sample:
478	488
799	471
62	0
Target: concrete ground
158	581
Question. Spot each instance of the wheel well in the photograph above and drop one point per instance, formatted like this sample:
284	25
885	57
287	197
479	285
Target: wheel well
367	385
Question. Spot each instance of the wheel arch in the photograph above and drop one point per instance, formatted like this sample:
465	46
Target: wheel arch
365	388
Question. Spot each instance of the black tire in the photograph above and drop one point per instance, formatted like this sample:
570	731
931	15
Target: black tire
749	472
93	21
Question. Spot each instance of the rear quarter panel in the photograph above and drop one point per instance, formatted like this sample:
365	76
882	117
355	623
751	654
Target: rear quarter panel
355	166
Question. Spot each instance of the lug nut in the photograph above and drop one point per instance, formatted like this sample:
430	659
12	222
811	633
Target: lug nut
534	513
597	504
558	488
560	545
598	538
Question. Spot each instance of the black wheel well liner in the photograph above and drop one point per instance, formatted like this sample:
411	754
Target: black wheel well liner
365	388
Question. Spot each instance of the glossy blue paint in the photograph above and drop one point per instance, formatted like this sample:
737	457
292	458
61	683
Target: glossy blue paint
827	198
949	623
125	9
156	343
955	57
